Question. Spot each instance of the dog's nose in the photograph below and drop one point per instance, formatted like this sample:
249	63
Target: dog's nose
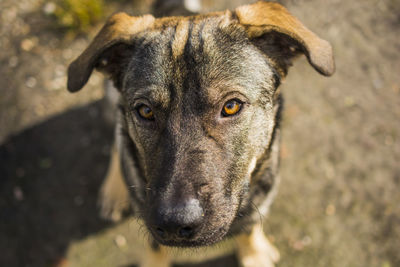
179	221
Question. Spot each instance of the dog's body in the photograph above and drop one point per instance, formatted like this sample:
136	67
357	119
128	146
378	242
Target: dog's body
197	137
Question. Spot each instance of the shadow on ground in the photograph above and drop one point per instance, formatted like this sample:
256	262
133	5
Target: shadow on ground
50	178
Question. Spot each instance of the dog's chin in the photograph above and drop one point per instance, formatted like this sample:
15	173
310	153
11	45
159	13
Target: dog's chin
202	240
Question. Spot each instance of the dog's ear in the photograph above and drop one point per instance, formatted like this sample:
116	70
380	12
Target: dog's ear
282	36
108	48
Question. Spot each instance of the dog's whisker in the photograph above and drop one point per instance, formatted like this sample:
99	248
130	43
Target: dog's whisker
261	217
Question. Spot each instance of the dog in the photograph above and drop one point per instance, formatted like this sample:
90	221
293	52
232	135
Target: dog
196	154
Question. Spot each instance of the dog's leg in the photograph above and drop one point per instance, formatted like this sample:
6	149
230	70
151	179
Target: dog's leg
155	256
114	195
255	250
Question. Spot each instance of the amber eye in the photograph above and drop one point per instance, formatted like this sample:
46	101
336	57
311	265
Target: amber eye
231	108
145	112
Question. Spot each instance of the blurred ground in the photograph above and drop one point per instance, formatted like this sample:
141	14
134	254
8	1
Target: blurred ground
338	201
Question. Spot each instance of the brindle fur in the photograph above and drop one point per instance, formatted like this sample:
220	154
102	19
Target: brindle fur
186	69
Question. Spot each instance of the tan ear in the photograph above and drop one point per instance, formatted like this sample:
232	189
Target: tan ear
264	17
118	29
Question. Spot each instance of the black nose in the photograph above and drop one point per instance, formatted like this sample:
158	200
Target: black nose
180	221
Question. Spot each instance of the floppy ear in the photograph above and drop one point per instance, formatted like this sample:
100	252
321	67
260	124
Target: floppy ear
279	34
111	43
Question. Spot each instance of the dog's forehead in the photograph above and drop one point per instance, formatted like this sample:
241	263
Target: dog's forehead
199	57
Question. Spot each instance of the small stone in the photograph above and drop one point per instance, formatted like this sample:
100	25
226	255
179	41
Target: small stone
28	44
31	82
13	62
58	83
18	194
49	8
59	70
192	5
120	241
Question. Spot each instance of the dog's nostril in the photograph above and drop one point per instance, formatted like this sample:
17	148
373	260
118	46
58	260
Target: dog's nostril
185	232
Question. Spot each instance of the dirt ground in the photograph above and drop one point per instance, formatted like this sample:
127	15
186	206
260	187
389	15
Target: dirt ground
338	203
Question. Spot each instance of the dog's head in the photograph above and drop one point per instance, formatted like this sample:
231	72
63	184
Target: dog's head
198	97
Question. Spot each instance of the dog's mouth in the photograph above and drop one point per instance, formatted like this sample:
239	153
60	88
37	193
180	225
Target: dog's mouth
200	239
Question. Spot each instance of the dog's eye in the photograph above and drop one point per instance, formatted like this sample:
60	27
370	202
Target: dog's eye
145	112
231	108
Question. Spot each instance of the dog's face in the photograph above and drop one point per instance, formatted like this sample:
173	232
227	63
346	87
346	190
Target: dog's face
197	96
198	102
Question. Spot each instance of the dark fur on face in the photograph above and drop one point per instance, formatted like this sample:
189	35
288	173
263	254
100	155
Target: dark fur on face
197	172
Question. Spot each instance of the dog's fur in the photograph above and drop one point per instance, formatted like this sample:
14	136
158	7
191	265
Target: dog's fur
193	175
